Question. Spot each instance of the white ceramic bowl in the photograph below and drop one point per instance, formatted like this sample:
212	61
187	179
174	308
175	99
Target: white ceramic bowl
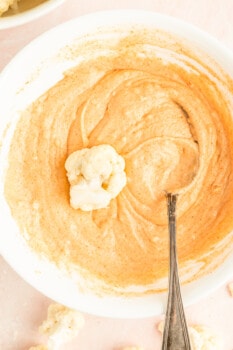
16	75
26	12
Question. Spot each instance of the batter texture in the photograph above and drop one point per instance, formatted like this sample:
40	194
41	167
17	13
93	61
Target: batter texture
167	110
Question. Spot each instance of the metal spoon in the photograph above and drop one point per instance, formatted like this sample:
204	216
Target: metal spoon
175	335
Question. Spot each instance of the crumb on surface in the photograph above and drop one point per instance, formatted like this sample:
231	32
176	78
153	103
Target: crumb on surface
160	326
230	288
133	348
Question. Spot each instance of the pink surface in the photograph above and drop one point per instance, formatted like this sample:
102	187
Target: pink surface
22	307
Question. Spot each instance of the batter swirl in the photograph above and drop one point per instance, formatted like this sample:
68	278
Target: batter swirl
168	112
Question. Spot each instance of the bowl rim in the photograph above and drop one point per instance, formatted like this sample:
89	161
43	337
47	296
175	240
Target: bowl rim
27	268
29	15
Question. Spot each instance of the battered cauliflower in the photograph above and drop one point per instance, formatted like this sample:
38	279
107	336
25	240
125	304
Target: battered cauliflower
38	347
6	4
201	338
62	324
230	288
96	175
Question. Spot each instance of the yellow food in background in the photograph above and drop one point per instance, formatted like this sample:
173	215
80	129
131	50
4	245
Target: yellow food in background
5	5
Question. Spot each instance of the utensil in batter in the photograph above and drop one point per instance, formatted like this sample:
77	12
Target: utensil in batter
175	335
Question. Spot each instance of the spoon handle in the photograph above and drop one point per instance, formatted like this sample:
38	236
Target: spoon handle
175	335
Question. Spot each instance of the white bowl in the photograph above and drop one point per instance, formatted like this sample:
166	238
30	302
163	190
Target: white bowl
26	12
36	57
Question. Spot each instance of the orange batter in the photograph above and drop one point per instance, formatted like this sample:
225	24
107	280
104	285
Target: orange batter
167	109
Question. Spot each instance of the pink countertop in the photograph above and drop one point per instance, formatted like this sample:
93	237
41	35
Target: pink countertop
22	308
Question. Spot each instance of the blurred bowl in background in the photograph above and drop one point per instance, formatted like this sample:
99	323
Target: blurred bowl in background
26	11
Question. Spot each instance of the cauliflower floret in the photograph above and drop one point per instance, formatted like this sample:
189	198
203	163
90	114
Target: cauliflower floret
201	338
38	347
6	4
230	288
96	175
62	324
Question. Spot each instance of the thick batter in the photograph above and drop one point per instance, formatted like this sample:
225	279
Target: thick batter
168	112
